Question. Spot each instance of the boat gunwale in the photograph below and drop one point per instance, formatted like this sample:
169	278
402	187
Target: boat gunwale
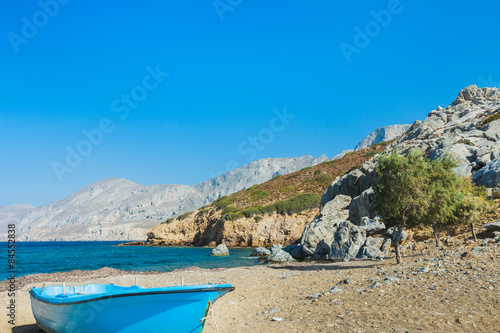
143	293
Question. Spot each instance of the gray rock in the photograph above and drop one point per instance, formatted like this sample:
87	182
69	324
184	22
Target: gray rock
335	289
321	230
278	255
392	233
346	185
314	296
372	249
295	251
347	241
494	226
489	175
260	252
361	206
372	226
220	250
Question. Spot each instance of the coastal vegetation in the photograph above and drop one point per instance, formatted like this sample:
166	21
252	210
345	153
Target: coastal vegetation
413	192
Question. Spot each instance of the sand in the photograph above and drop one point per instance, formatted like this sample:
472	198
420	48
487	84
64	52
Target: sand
434	291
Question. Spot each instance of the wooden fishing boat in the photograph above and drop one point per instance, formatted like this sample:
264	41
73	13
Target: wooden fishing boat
99	308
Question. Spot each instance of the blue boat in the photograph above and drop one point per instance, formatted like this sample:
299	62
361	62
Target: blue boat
99	308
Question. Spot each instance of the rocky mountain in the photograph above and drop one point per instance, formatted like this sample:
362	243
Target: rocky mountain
469	129
274	212
118	209
382	134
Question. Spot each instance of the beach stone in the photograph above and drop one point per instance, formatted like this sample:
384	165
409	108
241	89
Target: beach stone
314	296
220	250
347	241
260	252
335	289
494	226
278	255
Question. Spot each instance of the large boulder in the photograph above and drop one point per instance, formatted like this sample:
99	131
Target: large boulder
361	206
489	175
322	228
347	241
278	255
346	185
374	248
260	252
220	250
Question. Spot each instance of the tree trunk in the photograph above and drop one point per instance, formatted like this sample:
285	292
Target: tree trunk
473	231
436	235
399	257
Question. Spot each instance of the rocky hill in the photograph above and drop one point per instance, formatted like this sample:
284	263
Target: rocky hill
280	211
118	209
469	129
273	212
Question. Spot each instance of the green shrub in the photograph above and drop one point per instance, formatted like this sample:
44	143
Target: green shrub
306	168
223	202
230	210
251	211
466	142
259	194
491	118
269	209
322	179
317	172
297	203
287	189
184	216
378	144
234	217
292	176
496	195
277	176
371	153
202	212
356	167
330	162
257	219
168	221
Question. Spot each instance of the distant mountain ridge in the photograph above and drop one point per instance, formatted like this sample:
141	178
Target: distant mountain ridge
119	209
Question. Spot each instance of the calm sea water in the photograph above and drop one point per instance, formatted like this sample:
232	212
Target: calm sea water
50	257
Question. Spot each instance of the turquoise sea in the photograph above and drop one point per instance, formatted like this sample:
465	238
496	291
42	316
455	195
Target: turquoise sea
50	257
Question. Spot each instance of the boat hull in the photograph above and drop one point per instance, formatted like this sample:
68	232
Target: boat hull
144	311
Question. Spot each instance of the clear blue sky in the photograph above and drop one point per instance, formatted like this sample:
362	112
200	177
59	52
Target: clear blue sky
72	71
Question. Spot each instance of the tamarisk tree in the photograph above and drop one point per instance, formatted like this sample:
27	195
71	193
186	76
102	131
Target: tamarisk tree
401	194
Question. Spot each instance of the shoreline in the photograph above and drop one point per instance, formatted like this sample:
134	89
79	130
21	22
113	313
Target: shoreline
435	290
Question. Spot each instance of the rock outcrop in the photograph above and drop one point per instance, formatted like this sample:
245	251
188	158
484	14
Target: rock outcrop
220	250
468	129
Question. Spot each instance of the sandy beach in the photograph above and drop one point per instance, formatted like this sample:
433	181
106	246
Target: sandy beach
434	291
